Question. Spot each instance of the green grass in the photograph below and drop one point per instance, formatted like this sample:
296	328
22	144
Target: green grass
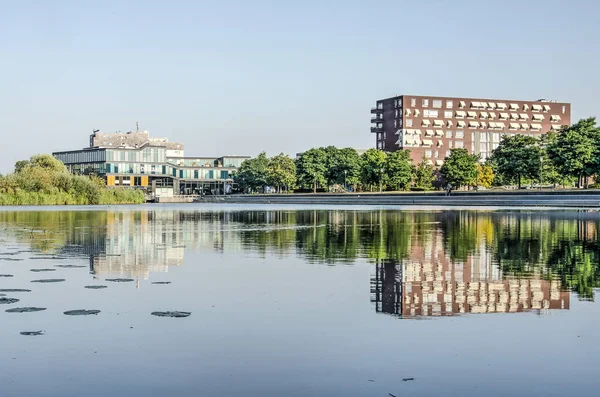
106	196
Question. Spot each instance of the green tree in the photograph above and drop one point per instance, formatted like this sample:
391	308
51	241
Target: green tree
399	169
281	172
373	163
311	168
516	157
343	166
252	174
460	168
485	175
575	150
20	165
423	175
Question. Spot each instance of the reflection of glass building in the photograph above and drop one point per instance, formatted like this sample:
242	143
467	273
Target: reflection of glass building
429	284
134	159
137	245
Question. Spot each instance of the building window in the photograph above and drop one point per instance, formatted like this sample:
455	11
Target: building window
448	114
379	146
436	154
409	122
448	153
413	102
495	137
396	112
458	144
483	147
430	113
425	103
436	103
449	134
395	124
460	134
449	104
400	102
384	135
483	136
379	136
427	153
564	109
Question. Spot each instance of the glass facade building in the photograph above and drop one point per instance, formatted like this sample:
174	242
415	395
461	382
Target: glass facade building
127	162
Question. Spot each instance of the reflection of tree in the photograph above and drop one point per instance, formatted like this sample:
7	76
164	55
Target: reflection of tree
551	245
576	263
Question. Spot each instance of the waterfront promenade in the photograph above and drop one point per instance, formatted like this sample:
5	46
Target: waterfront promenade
560	199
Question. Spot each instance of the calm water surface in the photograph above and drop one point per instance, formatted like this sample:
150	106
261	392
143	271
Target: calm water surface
293	301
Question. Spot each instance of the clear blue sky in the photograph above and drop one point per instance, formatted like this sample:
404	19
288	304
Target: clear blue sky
239	77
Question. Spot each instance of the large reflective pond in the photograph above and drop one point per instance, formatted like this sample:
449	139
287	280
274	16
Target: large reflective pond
293	301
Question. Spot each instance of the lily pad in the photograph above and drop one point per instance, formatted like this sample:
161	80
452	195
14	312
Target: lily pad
49	280
81	312
8	301
161	282
172	314
42	270
120	280
14	290
96	286
32	333
70	266
6	275
25	309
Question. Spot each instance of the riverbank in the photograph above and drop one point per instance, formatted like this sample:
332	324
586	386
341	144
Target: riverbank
562	199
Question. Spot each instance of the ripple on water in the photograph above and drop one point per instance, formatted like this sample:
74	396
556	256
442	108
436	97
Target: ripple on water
25	309
81	312
70	266
96	286
172	314
49	280
161	282
42	270
120	280
6	275
14	290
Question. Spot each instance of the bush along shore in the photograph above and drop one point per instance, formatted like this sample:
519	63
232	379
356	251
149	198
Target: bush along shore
44	180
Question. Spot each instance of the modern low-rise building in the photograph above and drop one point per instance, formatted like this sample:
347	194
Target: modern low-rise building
134	159
430	126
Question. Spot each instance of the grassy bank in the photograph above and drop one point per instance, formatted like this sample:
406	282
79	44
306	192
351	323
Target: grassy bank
43	180
115	196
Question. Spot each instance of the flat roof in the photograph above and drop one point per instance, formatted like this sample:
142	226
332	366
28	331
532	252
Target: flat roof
476	99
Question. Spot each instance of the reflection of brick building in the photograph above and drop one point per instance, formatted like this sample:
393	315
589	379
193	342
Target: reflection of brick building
428	284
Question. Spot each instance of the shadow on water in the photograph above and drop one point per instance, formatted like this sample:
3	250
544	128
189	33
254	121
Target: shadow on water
434	263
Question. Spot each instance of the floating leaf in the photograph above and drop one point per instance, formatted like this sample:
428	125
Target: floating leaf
171	314
25	309
32	333
8	301
81	312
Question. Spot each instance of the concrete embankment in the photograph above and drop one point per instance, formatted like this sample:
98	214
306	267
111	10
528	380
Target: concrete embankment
562	199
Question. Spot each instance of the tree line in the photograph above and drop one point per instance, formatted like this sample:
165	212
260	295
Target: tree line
569	157
44	180
333	169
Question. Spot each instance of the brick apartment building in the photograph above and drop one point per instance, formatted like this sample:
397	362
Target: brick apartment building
430	126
